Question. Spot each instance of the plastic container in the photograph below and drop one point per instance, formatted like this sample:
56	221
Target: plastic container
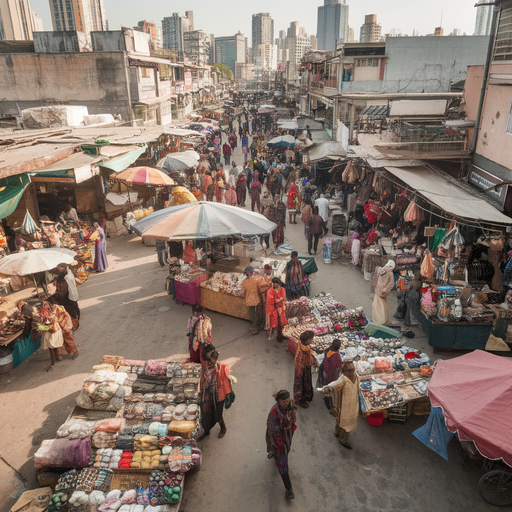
24	348
376	419
327	250
6	364
381	331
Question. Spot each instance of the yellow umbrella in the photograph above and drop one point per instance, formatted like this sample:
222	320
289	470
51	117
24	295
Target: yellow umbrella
181	195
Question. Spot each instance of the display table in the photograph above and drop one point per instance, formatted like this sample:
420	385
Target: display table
223	303
189	293
455	335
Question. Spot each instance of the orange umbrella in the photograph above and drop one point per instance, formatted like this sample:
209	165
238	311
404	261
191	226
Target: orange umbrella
145	176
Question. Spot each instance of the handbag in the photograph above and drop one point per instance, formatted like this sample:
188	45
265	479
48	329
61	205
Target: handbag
230	398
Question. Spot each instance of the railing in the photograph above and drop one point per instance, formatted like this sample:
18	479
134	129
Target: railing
428	147
320	85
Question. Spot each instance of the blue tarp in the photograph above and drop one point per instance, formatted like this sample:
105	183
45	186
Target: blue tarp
435	433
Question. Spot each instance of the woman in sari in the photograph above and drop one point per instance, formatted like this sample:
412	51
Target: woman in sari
280	428
241	189
189	254
219	187
206	184
330	368
302	384
214	387
100	253
276	309
199	333
294	278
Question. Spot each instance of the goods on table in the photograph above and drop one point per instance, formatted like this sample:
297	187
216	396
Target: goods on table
382	399
230	283
188	273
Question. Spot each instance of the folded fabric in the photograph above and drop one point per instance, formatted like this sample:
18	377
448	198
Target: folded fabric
109	425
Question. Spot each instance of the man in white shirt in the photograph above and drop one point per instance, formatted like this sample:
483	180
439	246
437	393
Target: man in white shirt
72	289
323	210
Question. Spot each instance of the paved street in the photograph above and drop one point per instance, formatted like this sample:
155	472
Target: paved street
126	312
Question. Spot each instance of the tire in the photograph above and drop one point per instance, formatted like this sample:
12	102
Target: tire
495	487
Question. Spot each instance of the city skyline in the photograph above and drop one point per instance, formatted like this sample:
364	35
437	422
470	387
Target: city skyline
224	21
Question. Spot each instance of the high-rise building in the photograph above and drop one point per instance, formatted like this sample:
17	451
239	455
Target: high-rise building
148	27
314	42
297	43
332	24
190	17
172	31
230	50
37	22
351	35
370	30
266	56
81	15
439	31
483	18
262	29
199	47
16	22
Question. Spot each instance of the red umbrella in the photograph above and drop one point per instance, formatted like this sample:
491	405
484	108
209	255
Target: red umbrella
145	176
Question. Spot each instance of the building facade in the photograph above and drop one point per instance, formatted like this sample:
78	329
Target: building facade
199	47
231	49
80	15
266	56
16	20
173	28
371	31
483	18
332	24
297	43
262	29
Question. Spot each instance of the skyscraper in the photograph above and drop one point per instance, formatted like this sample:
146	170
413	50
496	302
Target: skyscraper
483	19
230	50
16	22
199	47
80	15
332	25
262	29
172	32
370	30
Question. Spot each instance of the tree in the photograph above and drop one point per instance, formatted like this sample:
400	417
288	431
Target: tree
226	72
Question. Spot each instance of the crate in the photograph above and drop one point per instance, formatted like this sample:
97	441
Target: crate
376	419
398	414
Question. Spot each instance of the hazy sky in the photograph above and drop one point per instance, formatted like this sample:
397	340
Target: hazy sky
226	17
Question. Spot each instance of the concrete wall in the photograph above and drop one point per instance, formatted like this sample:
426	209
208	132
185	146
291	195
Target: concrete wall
471	94
61	42
111	41
493	143
95	80
430	64
366	73
375	86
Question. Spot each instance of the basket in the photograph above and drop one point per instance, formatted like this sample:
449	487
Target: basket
115	361
126	479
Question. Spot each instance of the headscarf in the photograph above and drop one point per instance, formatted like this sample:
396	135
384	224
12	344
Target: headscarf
249	271
390	265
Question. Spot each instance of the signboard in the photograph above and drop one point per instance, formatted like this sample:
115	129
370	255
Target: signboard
188	80
484	180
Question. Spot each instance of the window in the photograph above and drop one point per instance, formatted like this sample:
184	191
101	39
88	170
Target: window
373	63
508	129
361	63
145	72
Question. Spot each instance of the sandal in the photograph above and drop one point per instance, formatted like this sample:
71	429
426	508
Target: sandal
74	357
50	368
270	455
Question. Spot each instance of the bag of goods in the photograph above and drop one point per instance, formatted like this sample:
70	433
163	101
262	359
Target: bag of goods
76	429
63	453
109	425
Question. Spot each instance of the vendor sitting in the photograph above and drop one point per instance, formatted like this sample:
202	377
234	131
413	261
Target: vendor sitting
69	214
189	254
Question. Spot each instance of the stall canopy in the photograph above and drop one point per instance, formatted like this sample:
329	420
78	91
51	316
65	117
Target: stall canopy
332	150
11	190
475	392
448	197
75	168
122	162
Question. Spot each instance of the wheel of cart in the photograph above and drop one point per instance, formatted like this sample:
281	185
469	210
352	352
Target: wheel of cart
495	487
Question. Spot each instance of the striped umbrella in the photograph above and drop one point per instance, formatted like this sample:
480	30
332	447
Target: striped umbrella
145	176
202	220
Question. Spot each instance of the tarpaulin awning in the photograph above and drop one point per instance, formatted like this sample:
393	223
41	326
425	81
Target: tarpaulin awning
78	167
329	149
11	190
120	163
448	197
182	132
475	392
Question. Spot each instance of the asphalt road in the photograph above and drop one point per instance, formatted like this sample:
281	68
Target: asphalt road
127	312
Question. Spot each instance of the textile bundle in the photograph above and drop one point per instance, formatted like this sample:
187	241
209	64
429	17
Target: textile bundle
63	453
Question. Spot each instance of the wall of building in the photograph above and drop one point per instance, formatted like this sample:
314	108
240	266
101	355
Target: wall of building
471	95
366	73
493	143
96	80
61	42
430	64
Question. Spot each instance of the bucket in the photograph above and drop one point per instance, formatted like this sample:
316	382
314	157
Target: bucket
6	364
376	419
337	247
327	250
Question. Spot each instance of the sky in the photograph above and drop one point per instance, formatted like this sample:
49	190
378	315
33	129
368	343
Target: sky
226	17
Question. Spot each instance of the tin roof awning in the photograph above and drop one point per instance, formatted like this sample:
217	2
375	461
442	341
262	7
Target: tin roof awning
447	196
78	167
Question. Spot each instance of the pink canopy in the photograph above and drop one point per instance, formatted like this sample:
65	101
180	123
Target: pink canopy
475	392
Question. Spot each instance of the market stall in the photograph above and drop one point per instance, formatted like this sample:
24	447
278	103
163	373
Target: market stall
130	438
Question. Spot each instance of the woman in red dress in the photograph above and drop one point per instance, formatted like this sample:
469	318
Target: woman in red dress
276	309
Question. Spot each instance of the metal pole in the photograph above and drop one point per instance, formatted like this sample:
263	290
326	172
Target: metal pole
495	15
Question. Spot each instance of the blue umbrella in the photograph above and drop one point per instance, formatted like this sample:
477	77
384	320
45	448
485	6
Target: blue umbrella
287	141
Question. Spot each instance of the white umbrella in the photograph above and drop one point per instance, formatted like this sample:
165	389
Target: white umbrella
268	106
178	161
283	141
34	261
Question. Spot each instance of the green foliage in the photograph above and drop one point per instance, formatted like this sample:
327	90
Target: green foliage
226	72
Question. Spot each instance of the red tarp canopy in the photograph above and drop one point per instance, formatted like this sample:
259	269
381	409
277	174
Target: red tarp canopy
475	392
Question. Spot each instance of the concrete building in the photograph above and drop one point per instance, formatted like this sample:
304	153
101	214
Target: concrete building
231	49
148	27
370	30
190	17
262	29
173	28
245	71
439	31
16	20
199	47
409	64
37	22
483	18
332	24
80	15
297	43
314	42
266	57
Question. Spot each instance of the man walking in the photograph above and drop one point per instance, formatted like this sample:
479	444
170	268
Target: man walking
226	151
315	229
323	210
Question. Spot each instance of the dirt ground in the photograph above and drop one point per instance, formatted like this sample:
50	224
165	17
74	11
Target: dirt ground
126	311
